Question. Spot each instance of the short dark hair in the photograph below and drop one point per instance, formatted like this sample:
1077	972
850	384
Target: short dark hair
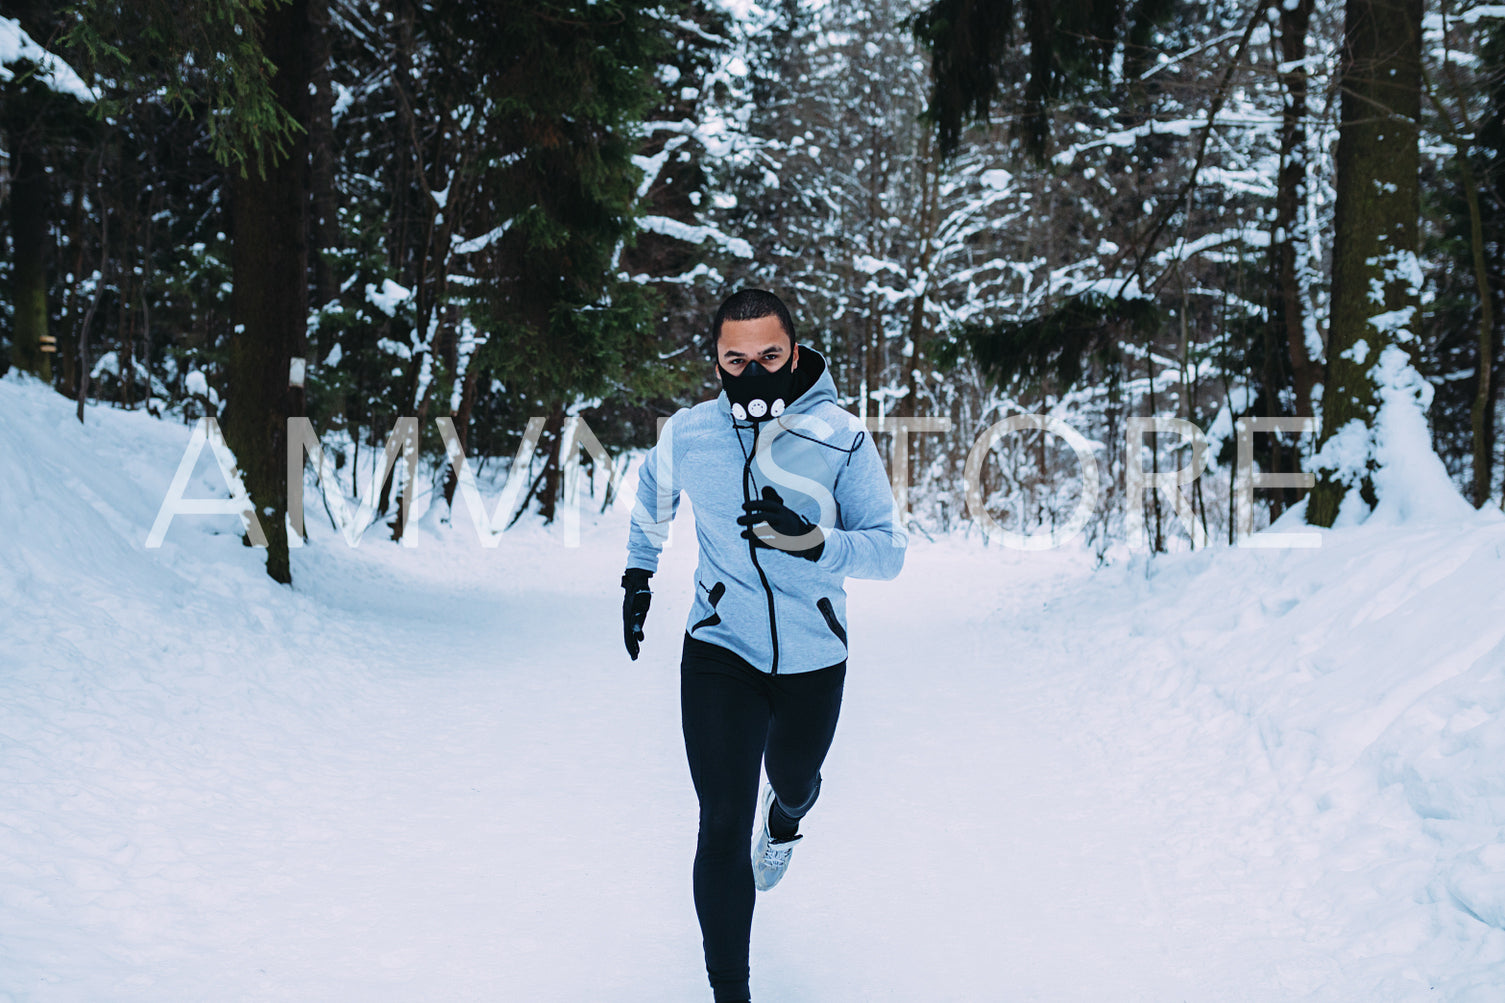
751	304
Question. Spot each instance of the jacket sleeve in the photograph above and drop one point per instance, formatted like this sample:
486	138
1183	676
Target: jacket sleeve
656	502
868	540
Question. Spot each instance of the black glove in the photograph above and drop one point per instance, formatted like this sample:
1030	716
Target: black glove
635	600
769	513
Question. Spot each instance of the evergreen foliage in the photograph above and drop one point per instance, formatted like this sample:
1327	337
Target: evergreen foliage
517	210
204	61
1076	340
1041	52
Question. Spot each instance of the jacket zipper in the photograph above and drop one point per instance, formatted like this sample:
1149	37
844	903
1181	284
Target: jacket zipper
752	551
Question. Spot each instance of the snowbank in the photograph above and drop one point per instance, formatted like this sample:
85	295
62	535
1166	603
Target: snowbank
1254	775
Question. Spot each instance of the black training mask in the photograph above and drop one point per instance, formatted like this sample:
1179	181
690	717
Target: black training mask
757	394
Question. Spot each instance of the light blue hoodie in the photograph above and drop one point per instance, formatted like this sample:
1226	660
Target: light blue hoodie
780	612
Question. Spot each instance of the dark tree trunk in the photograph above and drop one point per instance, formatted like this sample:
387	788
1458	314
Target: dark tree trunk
1287	313
1481	415
99	285
462	430
548	492
68	347
323	224
124	359
269	257
918	326
1375	218
153	198
28	220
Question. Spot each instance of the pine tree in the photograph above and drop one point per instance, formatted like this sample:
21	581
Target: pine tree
244	63
1376	277
560	91
269	241
40	105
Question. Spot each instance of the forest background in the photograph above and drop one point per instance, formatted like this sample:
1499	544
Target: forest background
494	211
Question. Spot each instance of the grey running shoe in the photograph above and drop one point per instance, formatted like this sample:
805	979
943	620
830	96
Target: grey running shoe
770	857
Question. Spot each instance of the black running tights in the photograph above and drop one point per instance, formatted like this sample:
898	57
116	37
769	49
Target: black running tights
736	717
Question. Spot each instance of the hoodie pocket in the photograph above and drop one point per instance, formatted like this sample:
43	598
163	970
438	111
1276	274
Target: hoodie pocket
827	611
713	596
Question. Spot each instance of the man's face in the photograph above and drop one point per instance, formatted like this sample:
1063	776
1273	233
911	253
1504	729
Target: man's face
763	339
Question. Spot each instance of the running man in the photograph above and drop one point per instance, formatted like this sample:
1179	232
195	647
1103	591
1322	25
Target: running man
790	499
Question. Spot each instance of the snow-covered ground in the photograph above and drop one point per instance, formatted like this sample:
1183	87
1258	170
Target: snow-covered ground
431	773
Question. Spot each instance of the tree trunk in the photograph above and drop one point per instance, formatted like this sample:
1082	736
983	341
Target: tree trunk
125	331
269	257
1375	222
1481	416
929	179
146	280
1149	368
68	347
1287	313
323	224
99	285
28	218
549	491
462	430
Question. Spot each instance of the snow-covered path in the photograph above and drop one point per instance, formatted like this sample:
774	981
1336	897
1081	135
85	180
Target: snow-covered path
433	774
